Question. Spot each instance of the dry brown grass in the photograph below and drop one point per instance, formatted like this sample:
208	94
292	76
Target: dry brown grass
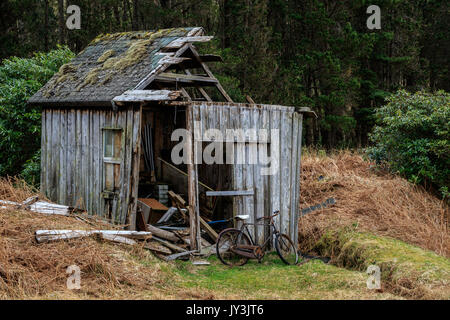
377	201
16	190
31	270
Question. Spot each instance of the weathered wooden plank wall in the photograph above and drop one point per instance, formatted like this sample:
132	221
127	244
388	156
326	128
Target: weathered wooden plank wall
72	164
279	191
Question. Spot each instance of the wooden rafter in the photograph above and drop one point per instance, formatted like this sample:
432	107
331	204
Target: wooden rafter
209	73
202	91
185	94
185	79
151	76
197	81
179	42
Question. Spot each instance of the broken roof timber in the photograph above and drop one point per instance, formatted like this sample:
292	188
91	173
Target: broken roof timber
179	42
185	78
146	95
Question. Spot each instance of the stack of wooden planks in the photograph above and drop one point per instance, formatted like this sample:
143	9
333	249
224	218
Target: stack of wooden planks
34	204
173	242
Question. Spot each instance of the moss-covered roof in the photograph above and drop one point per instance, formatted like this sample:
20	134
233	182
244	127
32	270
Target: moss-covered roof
110	65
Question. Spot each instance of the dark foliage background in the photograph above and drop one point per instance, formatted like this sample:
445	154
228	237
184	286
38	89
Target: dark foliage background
315	53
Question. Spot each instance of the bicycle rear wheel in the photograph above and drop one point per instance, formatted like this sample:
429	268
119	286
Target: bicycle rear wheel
228	239
286	249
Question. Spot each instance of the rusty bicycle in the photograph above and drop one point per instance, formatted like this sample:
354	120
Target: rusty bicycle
235	247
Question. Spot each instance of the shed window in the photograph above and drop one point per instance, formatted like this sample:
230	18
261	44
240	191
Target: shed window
112	145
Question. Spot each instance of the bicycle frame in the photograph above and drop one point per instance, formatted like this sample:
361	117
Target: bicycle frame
273	231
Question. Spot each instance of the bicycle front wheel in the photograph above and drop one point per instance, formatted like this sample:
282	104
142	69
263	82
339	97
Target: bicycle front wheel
229	239
286	249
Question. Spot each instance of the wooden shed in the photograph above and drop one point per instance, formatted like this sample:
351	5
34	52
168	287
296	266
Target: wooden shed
108	119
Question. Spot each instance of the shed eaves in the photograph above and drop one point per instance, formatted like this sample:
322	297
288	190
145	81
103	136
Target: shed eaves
110	65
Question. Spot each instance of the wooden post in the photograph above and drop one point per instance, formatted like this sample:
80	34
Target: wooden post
192	194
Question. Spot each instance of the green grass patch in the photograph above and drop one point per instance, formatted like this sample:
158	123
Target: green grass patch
272	279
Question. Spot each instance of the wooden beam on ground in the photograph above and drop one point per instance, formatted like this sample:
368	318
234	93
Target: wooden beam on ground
29	201
167	235
118	239
51	235
178	255
155	246
169	245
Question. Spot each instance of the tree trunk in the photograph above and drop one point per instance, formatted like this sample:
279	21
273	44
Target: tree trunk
61	22
134	20
46	31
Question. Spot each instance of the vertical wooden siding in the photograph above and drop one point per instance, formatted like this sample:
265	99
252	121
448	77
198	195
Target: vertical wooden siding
272	192
72	168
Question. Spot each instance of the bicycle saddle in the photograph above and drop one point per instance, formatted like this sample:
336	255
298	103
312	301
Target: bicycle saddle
242	217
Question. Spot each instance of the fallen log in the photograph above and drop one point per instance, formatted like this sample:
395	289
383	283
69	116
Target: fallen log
63	236
167	235
169	245
178	255
119	239
52	235
157	247
44	207
29	201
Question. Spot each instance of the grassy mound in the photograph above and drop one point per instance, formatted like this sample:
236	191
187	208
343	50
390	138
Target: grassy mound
372	199
406	270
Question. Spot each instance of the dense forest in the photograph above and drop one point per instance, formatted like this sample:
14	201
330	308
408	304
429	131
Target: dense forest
314	53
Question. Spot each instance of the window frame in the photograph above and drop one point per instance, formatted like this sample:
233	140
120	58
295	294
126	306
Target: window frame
115	160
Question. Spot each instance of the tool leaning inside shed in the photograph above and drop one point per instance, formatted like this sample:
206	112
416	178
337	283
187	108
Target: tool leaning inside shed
108	116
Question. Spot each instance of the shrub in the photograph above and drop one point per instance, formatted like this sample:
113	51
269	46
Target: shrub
20	124
412	137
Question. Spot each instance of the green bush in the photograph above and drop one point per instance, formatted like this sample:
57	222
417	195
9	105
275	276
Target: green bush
412	137
20	125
